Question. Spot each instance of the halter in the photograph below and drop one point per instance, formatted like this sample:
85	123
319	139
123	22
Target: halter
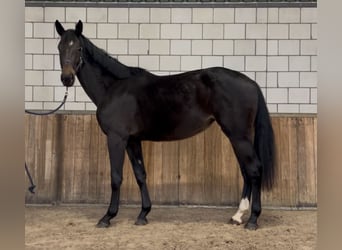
78	66
80	61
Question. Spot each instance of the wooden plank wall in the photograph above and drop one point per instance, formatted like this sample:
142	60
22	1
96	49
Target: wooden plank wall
67	155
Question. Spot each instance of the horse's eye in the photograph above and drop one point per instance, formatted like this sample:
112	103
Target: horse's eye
80	49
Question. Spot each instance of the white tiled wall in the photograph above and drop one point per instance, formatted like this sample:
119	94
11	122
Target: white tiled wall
277	47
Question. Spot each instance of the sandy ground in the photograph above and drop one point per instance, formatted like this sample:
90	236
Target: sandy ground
62	227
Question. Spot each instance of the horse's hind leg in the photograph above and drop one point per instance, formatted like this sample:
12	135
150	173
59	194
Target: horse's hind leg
245	201
251	169
135	155
241	139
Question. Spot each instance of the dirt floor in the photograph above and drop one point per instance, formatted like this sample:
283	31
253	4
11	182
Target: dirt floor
73	227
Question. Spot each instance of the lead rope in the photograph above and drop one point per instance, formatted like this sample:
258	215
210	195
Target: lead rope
51	111
32	186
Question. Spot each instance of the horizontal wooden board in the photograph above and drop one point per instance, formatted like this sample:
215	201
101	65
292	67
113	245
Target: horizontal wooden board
68	158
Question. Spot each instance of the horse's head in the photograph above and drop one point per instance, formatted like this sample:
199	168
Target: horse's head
70	52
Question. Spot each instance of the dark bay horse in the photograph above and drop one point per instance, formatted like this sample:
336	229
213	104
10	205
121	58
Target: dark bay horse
135	105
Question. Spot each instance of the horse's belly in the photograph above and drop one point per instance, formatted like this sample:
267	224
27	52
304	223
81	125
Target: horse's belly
164	131
191	128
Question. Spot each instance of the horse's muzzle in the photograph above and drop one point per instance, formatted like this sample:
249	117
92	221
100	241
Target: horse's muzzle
68	79
68	74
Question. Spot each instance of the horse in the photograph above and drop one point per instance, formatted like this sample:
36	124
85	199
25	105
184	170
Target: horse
133	105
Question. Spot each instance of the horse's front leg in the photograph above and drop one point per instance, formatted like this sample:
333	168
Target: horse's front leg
116	148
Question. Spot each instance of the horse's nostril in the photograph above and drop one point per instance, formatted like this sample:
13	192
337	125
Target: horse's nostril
67	80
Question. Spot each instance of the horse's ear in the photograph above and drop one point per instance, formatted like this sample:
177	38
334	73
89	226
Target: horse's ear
79	28
59	28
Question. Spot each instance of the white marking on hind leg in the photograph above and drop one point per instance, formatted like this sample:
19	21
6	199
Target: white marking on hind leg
243	207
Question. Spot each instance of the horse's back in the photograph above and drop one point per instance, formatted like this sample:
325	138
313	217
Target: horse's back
179	106
234	99
173	107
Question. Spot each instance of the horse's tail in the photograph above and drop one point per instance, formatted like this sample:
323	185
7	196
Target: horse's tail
264	143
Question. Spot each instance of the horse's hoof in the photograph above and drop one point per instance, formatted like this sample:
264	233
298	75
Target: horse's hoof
234	222
251	226
102	224
141	222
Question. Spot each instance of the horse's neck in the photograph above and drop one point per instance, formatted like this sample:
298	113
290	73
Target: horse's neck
88	76
98	73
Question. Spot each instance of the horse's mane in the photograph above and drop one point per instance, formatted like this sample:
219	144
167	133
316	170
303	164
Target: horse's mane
110	64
